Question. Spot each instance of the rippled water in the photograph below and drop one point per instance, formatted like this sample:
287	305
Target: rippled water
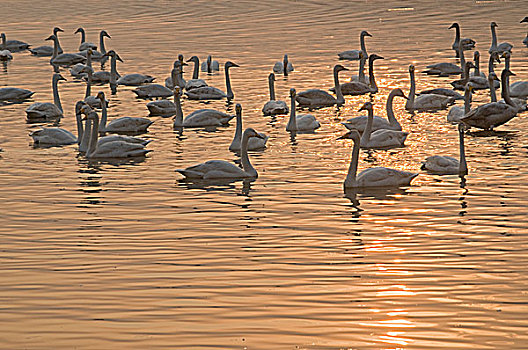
103	256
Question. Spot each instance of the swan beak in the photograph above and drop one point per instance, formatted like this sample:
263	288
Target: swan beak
119	58
405	97
512	73
234	65
49	37
525	19
368	34
184	64
59	30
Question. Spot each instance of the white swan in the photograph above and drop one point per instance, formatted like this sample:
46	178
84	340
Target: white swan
373	177
59	136
425	102
254	143
123	124
46	50
303	122
359	123
77	70
195	82
493	114
460	84
84	45
13	45
476	61
442	91
478	79
467	44
220	169
135	79
64	59
321	98
98	55
358	88
212	93
284	67
381	138
458	112
518	89
446	165
499	48
210	65
11	94
354	54
273	106
176	76
360	77
48	110
113	149
198	118
164	107
104	77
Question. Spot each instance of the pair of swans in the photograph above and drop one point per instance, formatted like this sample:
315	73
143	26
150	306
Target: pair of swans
380	138
372	177
391	123
254	143
198	118
211	92
48	110
495	47
300	123
425	102
46	50
446	165
354	54
284	67
315	98
273	106
64	59
220	169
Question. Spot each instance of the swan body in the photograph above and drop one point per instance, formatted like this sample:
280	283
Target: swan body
273	106
425	102
135	79
303	122
456	113
13	45
98	55
446	165
279	66
53	137
123	124
152	90
164	107
195	82
499	48
519	89
210	65
443	92
212	93
443	69
84	45
11	94
358	88
220	169
359	123
321	98
465	43
373	177
254	143
354	54
198	118
381	138
47	110
64	59
46	50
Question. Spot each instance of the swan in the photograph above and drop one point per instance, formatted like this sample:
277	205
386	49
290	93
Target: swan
113	149
123	124
425	102
47	50
273	106
303	122
200	117
458	112
11	94
13	45
525	41
135	79
84	45
105	76
152	91
254	143
359	123
357	88
5	55
443	92
478	79
59	136
361	73
212	93
499	48
92	101
493	114
163	107
467	44
48	110
64	59
176	75
372	177
77	70
354	54
519	88
460	84
446	165
210	65
283	67
476	60
445	69
220	169
321	98
98	55
381	138
195	82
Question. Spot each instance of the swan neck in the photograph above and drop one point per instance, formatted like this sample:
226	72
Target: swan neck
178	120
493	38
79	127
196	70
230	94
457	34
390	112
83	147
361	73
246	164
465	79
55	48
59	48
88	85
113	71
94	136
491	69
235	144
285	66
350	180
467	101
462	163
362	44
507	66
292	123
410	102
4	43
101	44
56	97
271	89
372	81
477	66
104	116
365	138
493	94
505	91
88	59
340	98
83	36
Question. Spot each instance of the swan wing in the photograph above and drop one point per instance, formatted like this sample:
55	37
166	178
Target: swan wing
53	136
441	165
135	79
213	169
43	110
519	89
307	122
205	93
384	177
275	107
128	124
14	94
349	55
194	84
489	115
119	149
153	90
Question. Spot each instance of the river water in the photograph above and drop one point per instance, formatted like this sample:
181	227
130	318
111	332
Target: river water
102	255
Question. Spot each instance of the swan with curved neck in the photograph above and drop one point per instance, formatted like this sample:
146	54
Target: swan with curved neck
391	123
200	117
372	177
256	143
446	165
499	48
59	136
220	169
381	138
303	122
64	59
47	50
13	45
47	110
425	102
460	84
163	107
84	45
354	54
490	115
273	106
321	98
123	124
284	67
467	44
519	88
458	112
212	93
195	82
358	88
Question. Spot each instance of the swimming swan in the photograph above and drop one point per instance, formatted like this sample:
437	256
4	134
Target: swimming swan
47	50
200	117
210	65
425	102
354	54
123	124
59	136
13	45
499	48
284	67
195	82
64	59
220	169
84	45
303	122
467	44
273	106
446	165
321	98
48	110
373	177
254	143
164	108
381	138
358	88
11	94
458	112
212	93
99	55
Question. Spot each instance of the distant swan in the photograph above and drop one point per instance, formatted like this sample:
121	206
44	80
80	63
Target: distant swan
13	45
84	45
164	108
195	82
321	98
64	59
152	91
284	67
499	48
77	70
354	54
446	165
123	124
212	93
467	44
303	122
47	110
373	177
458	112
47	50
381	138
59	136
254	143
11	94
220	169
425	102
273	106
210	65
198	118
360	77
358	88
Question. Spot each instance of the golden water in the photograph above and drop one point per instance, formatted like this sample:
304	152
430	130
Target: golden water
106	256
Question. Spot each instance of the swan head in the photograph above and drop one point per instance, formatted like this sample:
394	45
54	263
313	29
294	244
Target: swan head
86	110
104	33
492	76
112	53
250	132
180	58
3	37
399	92
506	73
461	128
285	57
101	96
57	77
454	25
506	55
78	106
493	25
373	57
365	33
89	51
338	68
470	87
271	77
238	109
470	65
525	19
194	59
352	134
56	30
476	55
209	59
79	30
411	68
177	90
178	64
230	64
293	93
51	37
367	106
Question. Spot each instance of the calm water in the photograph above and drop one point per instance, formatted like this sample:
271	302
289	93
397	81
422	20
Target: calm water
107	256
